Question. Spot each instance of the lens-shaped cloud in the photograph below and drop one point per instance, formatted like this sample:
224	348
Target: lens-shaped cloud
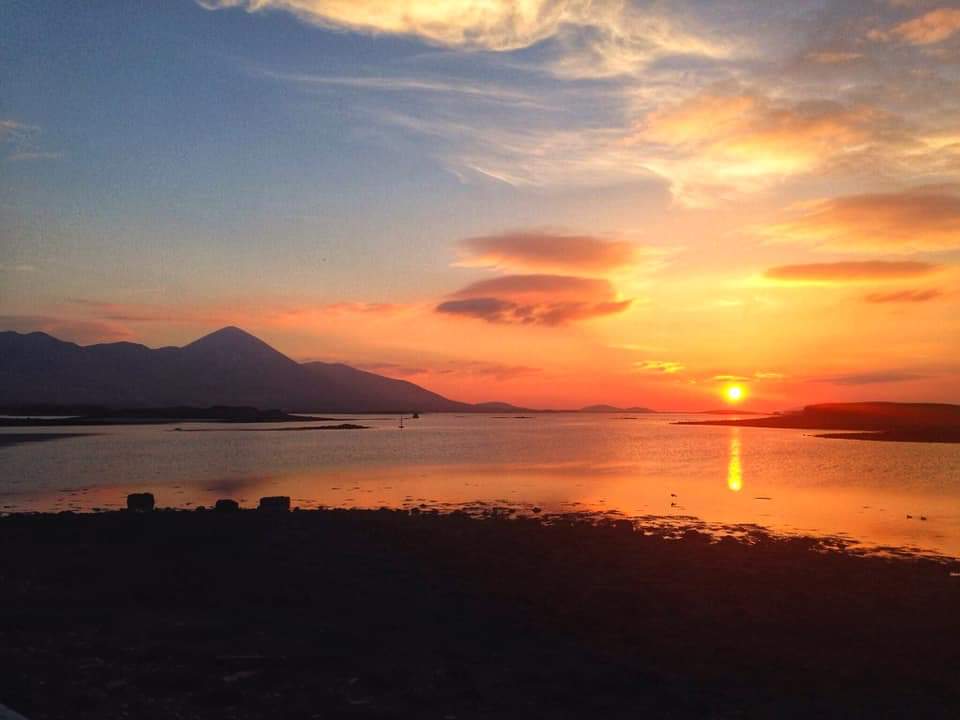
549	251
535	300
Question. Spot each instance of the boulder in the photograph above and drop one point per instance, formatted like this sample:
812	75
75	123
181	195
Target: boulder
140	502
276	503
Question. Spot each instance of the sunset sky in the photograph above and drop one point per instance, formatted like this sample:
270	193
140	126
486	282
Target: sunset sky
547	202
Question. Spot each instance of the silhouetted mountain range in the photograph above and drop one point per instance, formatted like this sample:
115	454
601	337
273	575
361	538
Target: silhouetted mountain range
228	367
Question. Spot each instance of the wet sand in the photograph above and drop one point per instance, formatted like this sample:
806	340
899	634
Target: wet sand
390	614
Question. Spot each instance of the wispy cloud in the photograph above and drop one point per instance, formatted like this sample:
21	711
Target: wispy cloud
846	272
932	27
466	369
668	367
406	84
21	141
875	377
907	221
904	296
745	140
594	37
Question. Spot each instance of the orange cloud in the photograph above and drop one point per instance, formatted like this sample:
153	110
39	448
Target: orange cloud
840	272
466	369
493	25
664	366
620	38
535	300
911	296
833	58
543	250
933	27
746	141
754	136
919	219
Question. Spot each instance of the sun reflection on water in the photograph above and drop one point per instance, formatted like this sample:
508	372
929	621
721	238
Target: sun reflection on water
734	470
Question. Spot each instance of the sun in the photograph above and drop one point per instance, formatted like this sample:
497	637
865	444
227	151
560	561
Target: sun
733	393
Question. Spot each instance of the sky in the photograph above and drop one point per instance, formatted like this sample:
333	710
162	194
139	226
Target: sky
548	202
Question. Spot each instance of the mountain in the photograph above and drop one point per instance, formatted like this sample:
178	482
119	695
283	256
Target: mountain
349	387
614	409
228	367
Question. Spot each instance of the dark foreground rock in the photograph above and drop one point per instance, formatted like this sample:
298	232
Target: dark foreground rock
366	614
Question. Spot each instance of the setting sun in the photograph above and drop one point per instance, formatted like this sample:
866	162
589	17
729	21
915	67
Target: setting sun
733	393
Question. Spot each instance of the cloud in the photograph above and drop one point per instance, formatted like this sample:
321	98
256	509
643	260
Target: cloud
597	38
746	140
535	300
907	221
904	296
401	84
843	272
932	27
457	368
490	25
874	377
13	131
827	57
663	366
364	308
544	250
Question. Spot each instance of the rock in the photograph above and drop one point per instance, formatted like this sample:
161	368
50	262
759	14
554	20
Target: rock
276	503
227	505
140	502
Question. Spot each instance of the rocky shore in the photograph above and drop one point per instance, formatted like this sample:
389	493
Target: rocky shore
248	614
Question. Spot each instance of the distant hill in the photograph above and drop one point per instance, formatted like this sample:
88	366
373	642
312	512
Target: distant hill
614	409
228	367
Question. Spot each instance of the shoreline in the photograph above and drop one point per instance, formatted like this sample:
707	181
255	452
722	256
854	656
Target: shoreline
389	614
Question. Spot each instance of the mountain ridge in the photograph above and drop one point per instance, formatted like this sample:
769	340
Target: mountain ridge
226	367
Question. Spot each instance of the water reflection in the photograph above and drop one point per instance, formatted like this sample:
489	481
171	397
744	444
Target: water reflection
734	471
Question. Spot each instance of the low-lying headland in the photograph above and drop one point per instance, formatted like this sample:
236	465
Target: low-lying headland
883	421
392	614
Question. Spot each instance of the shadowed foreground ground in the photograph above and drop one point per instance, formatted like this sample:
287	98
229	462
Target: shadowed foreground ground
354	614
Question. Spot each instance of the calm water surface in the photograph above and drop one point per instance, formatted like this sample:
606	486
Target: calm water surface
785	480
